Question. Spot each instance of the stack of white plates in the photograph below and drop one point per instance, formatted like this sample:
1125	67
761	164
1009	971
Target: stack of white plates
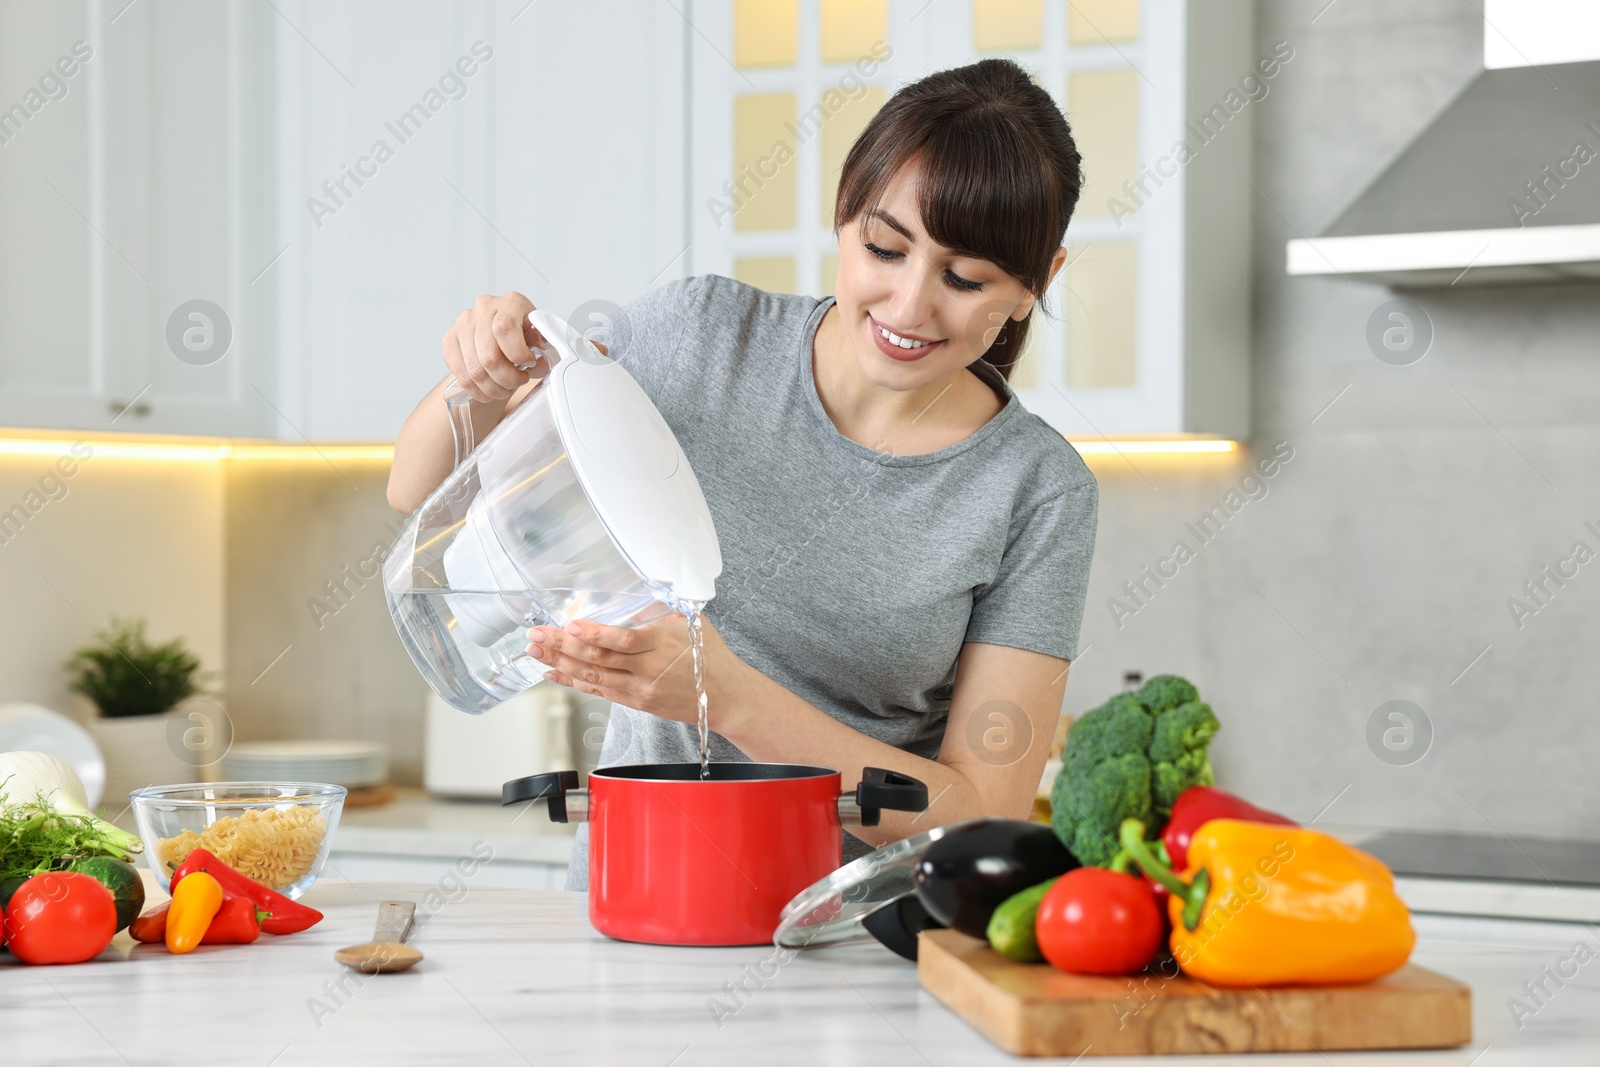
348	763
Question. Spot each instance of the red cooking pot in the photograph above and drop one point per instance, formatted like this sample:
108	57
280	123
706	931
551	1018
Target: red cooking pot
677	860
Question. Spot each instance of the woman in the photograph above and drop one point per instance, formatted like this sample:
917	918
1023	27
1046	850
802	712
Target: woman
906	549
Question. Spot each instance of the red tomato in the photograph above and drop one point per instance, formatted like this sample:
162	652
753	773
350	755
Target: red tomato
1095	921
60	917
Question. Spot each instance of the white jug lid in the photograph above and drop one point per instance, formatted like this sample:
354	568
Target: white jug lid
631	466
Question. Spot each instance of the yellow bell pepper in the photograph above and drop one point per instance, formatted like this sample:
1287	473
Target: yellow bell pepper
196	899
1264	905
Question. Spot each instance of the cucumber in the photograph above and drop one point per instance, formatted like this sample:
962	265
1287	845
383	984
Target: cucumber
1011	930
127	888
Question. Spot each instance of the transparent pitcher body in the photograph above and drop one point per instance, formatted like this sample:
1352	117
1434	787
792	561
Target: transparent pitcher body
510	540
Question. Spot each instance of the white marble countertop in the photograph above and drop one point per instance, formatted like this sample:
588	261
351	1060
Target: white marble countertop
520	977
420	825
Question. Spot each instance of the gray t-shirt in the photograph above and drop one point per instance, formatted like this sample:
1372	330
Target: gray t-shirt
850	577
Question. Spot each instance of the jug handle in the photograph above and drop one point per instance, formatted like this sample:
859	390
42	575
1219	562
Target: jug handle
562	342
458	403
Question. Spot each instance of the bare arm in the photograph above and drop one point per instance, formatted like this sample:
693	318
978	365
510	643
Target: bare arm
484	350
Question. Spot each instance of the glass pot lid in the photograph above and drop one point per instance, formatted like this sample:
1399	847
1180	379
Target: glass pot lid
833	909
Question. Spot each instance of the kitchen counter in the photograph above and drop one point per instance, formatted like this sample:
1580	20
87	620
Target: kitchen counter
520	977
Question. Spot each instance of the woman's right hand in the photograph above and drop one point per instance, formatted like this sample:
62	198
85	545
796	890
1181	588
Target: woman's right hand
489	344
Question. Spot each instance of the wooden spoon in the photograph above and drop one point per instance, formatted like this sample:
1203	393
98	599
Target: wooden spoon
387	951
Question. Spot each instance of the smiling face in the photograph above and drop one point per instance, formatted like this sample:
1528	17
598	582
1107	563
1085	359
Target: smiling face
914	311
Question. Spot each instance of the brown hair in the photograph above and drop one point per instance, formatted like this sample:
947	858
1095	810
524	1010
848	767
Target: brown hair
1000	173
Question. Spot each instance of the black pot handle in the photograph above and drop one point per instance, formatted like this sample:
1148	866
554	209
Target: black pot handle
553	786
881	789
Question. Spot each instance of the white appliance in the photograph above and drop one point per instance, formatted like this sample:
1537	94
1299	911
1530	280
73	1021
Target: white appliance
468	756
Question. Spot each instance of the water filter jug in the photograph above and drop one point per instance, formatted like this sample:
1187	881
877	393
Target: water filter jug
580	504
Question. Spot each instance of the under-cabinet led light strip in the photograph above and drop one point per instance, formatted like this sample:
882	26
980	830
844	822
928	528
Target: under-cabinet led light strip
211	451
1099	446
204	451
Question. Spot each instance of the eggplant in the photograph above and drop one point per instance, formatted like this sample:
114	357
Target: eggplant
977	866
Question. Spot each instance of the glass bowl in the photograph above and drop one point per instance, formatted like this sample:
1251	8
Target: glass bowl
278	833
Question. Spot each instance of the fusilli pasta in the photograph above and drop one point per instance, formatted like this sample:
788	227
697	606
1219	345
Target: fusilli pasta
275	846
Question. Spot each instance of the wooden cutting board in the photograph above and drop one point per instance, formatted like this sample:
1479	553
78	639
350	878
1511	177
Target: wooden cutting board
1036	1010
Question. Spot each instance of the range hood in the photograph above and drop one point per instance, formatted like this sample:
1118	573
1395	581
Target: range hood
1502	187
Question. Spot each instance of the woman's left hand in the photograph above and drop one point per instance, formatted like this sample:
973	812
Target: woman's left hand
648	668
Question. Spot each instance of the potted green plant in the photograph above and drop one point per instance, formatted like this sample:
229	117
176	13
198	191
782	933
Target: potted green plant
135	685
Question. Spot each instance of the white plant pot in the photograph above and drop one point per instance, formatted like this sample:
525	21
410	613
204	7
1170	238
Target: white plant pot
138	752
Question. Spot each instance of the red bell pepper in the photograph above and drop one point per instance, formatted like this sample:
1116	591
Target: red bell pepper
1198	805
237	922
284	916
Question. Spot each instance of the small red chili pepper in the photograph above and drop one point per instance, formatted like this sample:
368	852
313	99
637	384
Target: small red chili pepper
237	922
151	927
284	916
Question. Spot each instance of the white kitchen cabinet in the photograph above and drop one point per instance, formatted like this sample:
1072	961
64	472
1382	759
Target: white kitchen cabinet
407	186
1150	326
342	180
230	152
133	160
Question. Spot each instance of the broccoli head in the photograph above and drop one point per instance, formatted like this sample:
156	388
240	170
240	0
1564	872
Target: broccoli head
1088	808
1130	758
1166	691
1181	730
1105	778
1169	780
1119	725
1178	757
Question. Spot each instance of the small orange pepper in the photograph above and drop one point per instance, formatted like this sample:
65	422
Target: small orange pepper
195	902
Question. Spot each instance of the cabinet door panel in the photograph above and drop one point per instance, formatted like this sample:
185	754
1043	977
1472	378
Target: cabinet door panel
552	169
124	196
50	374
186	141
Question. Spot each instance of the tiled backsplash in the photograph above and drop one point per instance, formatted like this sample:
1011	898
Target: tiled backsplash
311	650
116	536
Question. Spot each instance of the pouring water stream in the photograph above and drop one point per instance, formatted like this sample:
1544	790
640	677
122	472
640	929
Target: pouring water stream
697	646
694	613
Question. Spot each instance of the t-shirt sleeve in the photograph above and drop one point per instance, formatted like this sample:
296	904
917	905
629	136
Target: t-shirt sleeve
1036	599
